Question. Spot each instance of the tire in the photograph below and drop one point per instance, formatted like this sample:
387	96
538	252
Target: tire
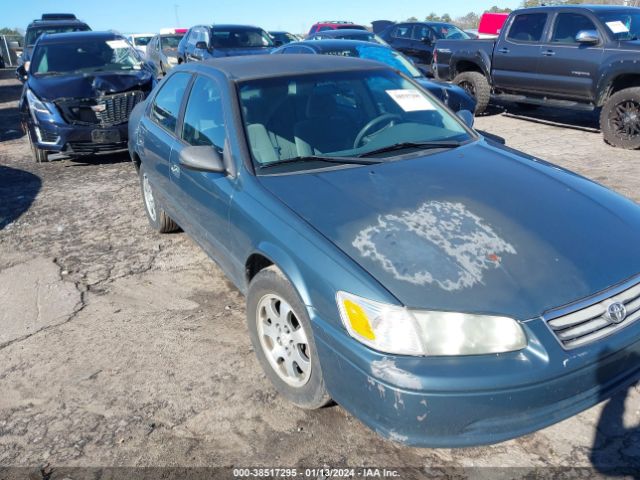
39	155
278	334
476	85
620	119
158	218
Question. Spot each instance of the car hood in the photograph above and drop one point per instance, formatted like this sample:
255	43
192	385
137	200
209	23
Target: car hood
477	229
90	85
234	52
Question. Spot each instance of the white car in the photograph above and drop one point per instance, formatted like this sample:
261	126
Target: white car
140	41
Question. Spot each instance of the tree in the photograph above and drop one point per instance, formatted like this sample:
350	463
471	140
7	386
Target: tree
497	9
468	21
432	17
446	18
412	19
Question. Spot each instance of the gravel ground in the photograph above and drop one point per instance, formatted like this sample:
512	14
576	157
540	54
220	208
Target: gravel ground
120	347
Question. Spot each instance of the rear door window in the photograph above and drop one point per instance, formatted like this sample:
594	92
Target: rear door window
527	27
166	104
568	25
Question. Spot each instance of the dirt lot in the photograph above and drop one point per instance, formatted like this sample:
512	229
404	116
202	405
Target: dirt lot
120	347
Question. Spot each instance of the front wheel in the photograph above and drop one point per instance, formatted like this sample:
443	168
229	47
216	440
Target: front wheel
476	85
620	119
39	155
282	338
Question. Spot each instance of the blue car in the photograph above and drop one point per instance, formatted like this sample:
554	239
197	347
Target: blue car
444	289
204	42
79	91
453	96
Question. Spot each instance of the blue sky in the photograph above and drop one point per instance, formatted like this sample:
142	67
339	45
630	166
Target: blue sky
129	16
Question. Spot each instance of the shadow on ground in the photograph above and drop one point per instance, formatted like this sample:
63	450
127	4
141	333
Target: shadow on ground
18	190
616	448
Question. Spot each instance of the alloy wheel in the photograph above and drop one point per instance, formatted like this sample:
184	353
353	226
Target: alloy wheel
624	119
283	340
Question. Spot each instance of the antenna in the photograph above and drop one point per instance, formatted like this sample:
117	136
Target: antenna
175	9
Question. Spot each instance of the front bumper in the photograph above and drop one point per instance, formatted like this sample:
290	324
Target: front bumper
75	140
474	400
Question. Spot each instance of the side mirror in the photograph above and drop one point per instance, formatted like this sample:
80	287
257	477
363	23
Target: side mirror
588	37
202	46
467	117
202	159
278	43
21	73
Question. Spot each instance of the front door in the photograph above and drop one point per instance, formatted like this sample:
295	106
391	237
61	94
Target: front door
204	197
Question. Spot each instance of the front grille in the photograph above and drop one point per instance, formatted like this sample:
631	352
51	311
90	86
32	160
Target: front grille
104	111
88	148
592	323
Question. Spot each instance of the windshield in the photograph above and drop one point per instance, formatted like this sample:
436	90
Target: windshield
345	114
237	38
170	41
141	41
450	32
623	24
34	33
84	56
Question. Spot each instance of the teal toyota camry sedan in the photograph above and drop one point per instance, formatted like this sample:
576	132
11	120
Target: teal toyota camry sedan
444	289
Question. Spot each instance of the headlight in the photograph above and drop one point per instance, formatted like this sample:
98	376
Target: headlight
398	330
35	104
172	60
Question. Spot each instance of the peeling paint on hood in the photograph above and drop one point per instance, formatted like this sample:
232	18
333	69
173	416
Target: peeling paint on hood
440	242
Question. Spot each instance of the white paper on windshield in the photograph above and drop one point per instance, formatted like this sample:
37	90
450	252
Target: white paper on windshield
117	44
411	100
617	27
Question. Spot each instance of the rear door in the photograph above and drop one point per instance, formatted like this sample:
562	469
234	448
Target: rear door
568	68
204	197
158	133
517	53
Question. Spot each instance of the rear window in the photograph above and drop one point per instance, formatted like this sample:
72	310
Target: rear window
527	27
34	33
351	27
238	38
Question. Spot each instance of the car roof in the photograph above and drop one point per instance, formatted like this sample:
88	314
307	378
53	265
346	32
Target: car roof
592	8
335	44
70	36
233	26
344	31
269	66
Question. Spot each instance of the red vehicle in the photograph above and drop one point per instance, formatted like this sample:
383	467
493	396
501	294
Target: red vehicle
491	23
334	25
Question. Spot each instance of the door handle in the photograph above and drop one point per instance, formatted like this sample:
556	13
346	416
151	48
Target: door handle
175	169
503	50
548	53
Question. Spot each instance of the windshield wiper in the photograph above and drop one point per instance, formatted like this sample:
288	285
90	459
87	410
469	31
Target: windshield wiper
315	158
415	145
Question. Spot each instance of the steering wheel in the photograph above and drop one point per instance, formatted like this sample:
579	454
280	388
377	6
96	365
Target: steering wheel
385	117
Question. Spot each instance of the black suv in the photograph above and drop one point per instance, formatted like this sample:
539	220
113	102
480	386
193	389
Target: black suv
79	92
49	23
